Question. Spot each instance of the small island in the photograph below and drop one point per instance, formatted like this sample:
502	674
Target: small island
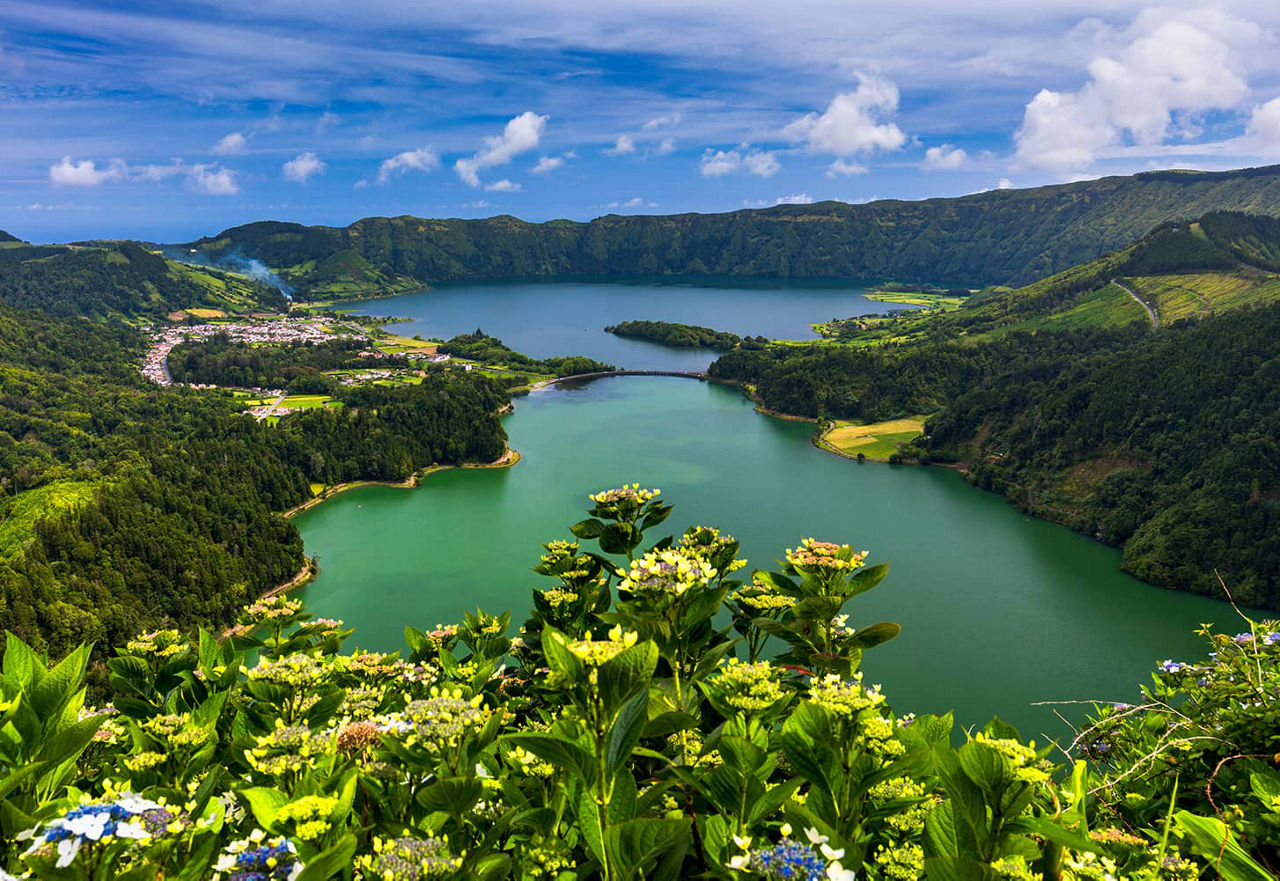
687	336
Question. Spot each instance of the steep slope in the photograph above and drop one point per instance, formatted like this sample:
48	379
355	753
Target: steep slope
1005	236
124	279
8	237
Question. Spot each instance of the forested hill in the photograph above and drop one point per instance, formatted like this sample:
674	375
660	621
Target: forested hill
124	505
123	279
1002	236
8	237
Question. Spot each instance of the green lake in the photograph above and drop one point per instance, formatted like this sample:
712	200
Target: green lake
998	610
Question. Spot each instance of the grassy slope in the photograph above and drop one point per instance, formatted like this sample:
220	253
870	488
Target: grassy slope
19	514
877	440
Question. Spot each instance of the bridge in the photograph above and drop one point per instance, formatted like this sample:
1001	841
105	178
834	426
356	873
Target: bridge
687	374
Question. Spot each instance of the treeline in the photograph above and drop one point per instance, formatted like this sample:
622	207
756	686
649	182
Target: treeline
124	279
298	367
481	347
985	238
175	517
1164	443
679	335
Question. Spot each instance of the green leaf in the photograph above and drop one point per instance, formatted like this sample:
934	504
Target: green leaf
633	845
452	795
669	723
986	767
771	802
870	637
589	528
865	579
331	862
969	808
60	683
626	731
21	663
1213	841
265	803
619	538
626	673
941	838
589	824
559	752
656	515
958	869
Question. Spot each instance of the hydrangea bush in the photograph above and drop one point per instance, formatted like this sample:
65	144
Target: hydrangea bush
655	717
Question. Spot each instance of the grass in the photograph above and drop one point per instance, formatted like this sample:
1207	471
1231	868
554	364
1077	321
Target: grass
941	302
18	517
1187	296
316	488
879	440
308	402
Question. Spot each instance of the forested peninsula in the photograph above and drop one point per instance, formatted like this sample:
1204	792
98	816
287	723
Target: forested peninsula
996	237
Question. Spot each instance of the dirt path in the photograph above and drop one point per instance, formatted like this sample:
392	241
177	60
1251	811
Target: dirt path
272	408
1151	313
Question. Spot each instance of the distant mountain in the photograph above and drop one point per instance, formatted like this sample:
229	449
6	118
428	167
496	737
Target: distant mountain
996	237
123	279
8	237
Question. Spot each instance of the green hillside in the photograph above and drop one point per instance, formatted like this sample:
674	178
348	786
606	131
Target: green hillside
123	279
8	237
997	237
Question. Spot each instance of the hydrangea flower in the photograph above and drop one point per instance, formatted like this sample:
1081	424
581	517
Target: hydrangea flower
1170	666
750	687
408	859
88	823
671	571
593	653
825	555
258	858
843	697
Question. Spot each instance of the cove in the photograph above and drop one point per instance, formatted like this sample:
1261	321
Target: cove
998	610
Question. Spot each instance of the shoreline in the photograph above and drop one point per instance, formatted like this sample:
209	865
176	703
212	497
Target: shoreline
508	459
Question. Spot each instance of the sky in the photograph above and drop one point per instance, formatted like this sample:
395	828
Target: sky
166	121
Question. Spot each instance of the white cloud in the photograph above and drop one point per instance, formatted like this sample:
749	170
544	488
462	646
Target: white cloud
667	145
944	158
1172	70
478	203
303	167
423	159
635	202
231	144
213	180
522	133
665	121
621	147
1004	184
744	158
159	172
1263	131
86	173
796	199
327	121
844	166
855	124
503	186
547	163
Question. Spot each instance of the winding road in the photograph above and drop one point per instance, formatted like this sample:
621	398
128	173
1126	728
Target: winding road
1151	313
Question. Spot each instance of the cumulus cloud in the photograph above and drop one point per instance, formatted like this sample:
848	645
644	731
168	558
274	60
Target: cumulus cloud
744	158
1004	184
621	147
86	173
303	167
503	186
1171	71
231	144
796	199
423	159
855	124
213	180
522	133
547	164
944	158
1263	131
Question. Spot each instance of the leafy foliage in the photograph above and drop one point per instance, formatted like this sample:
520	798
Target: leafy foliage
680	335
481	347
604	743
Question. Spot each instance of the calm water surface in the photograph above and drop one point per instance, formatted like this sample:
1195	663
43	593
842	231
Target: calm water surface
544	319
998	610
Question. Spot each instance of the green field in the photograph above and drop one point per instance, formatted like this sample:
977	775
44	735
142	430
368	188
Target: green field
309	402
943	302
878	440
19	515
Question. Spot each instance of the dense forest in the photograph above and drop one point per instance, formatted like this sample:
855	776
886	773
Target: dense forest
481	347
124	505
1164	443
124	279
297	367
679	335
1003	236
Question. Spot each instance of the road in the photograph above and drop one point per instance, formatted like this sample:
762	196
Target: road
272	408
1151	313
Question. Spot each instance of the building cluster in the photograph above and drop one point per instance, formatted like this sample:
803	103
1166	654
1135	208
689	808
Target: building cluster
284	330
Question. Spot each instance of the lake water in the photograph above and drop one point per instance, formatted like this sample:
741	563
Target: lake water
998	610
545	319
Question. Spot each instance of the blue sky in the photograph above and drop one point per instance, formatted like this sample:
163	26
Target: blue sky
168	121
